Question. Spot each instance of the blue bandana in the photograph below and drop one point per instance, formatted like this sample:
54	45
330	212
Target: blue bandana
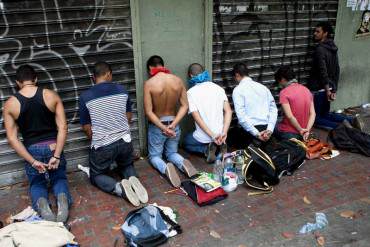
202	77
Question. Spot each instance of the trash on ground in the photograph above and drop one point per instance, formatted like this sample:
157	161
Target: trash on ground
348	214
288	235
365	200
320	241
305	200
27	214
215	234
321	222
85	169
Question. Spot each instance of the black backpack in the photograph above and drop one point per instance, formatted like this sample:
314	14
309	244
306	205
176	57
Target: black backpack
287	156
346	137
259	170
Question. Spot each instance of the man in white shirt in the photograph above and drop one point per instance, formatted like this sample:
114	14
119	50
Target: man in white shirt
209	106
255	108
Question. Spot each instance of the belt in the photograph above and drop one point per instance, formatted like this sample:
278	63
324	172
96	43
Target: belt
166	122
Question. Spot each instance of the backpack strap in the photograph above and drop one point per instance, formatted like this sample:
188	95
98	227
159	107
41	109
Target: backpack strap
174	225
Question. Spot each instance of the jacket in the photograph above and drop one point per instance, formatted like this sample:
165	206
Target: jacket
325	67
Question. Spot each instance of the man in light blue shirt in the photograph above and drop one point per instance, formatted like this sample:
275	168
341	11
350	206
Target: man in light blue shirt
255	108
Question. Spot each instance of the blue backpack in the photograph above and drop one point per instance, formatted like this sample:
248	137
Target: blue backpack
146	227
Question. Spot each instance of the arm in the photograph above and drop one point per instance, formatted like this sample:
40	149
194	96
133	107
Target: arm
198	119
228	113
323	72
273	112
183	107
129	110
148	108
12	135
87	129
311	119
243	118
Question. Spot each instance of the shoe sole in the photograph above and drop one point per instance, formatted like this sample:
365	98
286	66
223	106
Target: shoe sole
211	155
189	168
130	194
172	175
139	189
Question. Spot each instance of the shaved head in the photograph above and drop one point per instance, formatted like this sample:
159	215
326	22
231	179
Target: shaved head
195	69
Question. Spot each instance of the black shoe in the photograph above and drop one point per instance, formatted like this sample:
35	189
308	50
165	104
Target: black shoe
211	152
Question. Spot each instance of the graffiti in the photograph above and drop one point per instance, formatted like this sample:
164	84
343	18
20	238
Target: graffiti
61	44
265	36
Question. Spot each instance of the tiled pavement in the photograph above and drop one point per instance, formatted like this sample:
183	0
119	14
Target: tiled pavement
240	220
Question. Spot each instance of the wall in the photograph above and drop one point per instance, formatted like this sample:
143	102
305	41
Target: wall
62	40
354	59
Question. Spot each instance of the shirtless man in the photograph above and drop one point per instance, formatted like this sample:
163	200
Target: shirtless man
162	93
39	115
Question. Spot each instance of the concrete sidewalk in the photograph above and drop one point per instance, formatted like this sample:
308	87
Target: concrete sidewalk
332	186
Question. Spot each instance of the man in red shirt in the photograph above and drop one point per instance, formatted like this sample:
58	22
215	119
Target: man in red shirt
297	104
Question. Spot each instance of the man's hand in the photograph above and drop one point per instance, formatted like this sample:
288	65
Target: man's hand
260	136
169	132
328	94
304	133
333	96
39	166
53	163
265	135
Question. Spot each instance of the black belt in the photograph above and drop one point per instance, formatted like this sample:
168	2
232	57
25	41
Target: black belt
166	122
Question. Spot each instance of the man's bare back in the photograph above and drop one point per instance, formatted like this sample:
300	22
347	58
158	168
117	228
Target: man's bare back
165	90
162	94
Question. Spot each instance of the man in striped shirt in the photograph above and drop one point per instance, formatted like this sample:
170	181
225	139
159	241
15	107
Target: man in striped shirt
105	113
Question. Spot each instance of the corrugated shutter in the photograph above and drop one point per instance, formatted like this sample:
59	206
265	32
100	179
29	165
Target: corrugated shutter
265	34
62	40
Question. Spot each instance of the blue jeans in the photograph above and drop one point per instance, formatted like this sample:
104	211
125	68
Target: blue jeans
158	142
39	181
193	146
100	160
325	118
288	135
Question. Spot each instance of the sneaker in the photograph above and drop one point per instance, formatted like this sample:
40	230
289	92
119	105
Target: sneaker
172	175
63	208
223	149
211	152
44	210
189	169
139	189
129	193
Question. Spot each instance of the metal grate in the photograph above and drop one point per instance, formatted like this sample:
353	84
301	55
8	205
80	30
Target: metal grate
265	35
62	40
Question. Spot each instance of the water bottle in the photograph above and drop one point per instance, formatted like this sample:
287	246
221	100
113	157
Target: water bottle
228	166
218	171
239	169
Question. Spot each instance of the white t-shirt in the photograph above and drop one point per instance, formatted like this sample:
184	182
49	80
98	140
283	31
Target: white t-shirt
208	99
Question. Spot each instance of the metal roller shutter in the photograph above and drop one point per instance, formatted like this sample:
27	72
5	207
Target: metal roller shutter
265	34
62	40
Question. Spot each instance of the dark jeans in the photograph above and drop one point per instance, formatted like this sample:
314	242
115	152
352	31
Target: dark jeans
241	139
100	160
288	135
325	118
39	181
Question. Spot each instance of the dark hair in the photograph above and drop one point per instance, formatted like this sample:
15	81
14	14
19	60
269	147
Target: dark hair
154	61
326	27
284	72
241	69
195	69
101	68
25	73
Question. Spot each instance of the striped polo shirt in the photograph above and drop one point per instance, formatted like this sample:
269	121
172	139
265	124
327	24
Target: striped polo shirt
104	106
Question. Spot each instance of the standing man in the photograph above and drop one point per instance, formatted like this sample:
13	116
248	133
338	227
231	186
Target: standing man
39	115
162	93
210	108
255	108
105	113
324	76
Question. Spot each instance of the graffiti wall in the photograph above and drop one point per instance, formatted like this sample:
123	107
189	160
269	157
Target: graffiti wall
62	40
265	35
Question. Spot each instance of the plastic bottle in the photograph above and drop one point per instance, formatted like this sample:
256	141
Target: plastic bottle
218	171
239	169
